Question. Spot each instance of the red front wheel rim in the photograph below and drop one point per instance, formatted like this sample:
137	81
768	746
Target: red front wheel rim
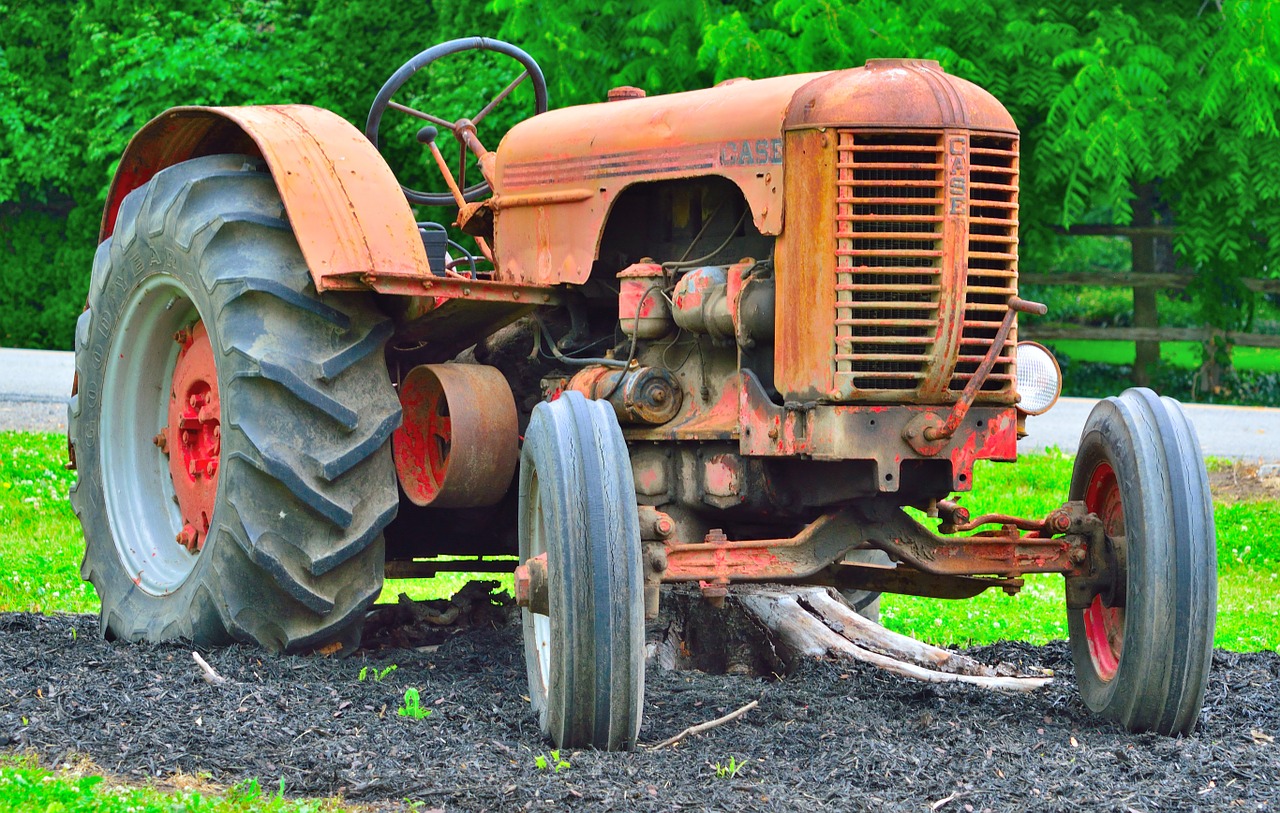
1104	625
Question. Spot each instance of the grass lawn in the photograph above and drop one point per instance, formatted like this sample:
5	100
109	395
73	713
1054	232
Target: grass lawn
41	547
1185	355
24	785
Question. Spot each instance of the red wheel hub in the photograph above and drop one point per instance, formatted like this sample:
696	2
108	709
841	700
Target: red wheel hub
1104	625
193	438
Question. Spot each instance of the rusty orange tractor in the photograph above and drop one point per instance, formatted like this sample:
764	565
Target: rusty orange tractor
715	337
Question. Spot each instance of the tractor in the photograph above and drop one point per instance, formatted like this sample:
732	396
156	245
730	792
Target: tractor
759	332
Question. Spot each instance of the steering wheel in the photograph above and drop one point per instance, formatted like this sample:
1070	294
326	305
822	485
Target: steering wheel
463	129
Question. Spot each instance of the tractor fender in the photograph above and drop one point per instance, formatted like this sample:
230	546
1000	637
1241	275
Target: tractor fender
343	202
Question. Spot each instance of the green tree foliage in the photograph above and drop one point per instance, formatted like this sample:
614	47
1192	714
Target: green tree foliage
1180	97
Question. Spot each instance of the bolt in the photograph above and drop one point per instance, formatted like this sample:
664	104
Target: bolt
193	468
182	336
195	401
1058	521
664	526
211	468
715	536
162	440
186	437
1077	555
189	538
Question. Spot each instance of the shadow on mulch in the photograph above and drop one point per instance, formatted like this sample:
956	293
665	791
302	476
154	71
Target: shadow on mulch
834	736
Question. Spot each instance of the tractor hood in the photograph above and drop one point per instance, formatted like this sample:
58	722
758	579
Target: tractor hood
557	174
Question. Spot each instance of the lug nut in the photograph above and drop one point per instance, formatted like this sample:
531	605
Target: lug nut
182	336
162	441
189	538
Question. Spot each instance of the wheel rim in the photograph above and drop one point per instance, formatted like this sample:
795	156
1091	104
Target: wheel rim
1104	625
143	507
537	547
193	435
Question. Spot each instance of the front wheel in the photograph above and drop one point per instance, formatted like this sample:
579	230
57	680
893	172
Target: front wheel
1143	646
585	656
231	427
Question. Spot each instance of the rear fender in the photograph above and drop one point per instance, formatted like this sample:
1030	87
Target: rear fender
343	202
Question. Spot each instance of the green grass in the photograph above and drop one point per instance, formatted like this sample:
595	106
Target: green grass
1248	563
41	548
24	785
40	542
1185	355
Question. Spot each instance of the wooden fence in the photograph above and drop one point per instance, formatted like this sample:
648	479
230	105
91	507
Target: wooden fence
1061	330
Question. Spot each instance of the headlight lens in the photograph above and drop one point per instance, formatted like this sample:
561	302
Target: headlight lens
1039	378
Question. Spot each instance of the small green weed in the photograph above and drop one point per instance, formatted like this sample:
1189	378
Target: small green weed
377	674
553	763
412	707
728	770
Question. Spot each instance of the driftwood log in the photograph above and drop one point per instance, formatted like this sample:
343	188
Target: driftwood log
763	629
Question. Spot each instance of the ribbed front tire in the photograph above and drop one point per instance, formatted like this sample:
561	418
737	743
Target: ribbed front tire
1144	660
293	552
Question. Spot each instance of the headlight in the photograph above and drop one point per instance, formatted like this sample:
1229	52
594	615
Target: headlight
1039	378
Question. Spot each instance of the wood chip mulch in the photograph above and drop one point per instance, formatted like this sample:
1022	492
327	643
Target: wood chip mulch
834	736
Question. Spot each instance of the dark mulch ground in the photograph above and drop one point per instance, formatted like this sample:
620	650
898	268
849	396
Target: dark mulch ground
835	736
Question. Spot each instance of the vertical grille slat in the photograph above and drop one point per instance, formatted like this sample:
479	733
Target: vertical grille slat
993	260
891	199
888	230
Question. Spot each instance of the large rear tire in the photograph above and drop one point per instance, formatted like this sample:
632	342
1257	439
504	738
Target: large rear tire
1144	659
585	658
257	513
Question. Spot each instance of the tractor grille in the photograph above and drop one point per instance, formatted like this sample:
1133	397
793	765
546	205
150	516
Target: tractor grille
890	281
888	256
993	260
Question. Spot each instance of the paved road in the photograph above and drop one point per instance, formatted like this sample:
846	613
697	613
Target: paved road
1240	433
34	385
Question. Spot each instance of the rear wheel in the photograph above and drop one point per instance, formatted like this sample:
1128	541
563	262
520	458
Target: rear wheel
231	425
1143	647
585	657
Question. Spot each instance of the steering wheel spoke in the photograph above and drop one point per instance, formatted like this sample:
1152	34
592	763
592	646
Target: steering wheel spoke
448	125
462	129
497	100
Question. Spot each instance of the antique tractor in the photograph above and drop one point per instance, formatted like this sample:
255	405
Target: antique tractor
714	337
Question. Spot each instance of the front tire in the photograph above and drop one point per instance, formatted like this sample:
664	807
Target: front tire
1144	660
585	658
284	446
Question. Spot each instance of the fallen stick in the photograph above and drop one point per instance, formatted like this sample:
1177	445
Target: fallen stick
807	634
207	672
707	726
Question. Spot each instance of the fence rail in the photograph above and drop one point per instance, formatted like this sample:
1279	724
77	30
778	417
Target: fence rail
1061	330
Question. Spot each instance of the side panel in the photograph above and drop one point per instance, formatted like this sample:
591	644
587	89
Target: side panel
582	158
806	266
346	208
